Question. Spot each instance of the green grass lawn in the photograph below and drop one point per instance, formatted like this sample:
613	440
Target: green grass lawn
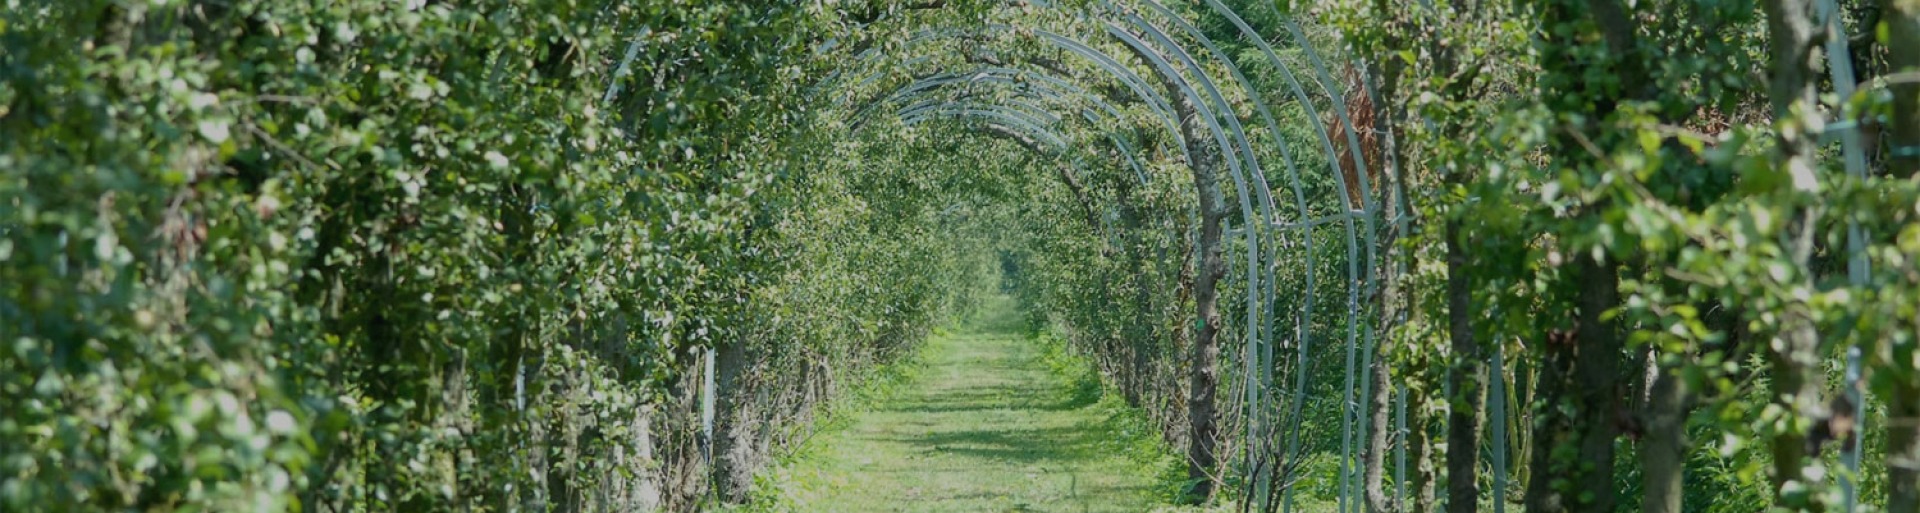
986	423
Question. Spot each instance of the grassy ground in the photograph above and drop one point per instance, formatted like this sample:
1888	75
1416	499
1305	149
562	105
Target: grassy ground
991	420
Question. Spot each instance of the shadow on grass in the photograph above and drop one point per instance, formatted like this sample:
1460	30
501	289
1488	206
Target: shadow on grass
994	420
997	398
1026	446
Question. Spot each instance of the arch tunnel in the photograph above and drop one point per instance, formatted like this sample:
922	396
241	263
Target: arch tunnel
618	255
1088	100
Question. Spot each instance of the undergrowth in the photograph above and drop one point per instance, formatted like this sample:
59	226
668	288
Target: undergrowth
773	486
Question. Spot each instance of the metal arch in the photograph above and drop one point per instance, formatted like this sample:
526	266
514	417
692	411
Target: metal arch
921	36
1138	84
1360	167
1133	81
1353	314
1293	178
1854	158
1127	150
1403	215
1100	60
987	110
1148	95
989	75
1111	67
1254	257
1348	213
1358	282
1247	206
1313	115
999	112
1220	108
1077	47
1039	85
1333	89
1260	106
1012	120
1106	63
995	74
1327	144
1018	103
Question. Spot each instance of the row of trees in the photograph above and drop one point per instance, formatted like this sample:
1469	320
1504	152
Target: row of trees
267	255
1648	256
1678	264
598	255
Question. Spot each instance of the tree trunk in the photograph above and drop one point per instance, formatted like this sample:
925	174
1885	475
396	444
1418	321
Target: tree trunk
1579	387
1204	380
734	458
1580	370
1467	375
1420	452
1379	404
1139	333
1596	375
1794	350
1663	447
1543	495
1393	300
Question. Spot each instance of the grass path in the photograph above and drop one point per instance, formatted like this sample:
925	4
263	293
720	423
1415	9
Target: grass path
984	425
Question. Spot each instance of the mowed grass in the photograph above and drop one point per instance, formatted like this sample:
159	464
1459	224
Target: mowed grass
985	424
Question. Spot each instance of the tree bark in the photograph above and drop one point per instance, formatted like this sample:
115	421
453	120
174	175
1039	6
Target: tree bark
1466	366
1663	448
1596	375
1794	350
1393	300
1542	495
734	458
1139	333
1420	452
1203	379
1467	375
1379	404
1579	385
1581	370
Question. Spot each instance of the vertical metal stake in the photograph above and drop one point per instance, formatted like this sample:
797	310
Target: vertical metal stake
1851	456
706	405
1366	419
1400	447
1499	399
1854	156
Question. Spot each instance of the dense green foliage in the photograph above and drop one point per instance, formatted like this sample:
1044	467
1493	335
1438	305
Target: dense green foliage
486	255
410	255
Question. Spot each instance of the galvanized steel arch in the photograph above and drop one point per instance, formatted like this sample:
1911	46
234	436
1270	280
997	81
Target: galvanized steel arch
1038	89
1237	149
